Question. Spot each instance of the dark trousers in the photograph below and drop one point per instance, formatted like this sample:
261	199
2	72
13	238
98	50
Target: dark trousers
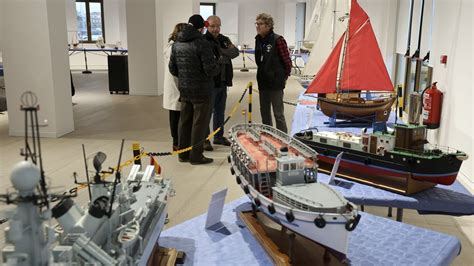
174	126
273	99
219	98
193	124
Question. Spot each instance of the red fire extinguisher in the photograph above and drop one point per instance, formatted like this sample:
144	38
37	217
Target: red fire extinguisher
432	101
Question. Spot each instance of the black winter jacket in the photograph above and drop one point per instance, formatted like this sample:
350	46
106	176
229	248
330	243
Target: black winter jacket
225	52
193	62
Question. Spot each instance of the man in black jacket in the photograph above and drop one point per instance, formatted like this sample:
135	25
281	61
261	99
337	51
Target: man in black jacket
225	51
193	62
274	68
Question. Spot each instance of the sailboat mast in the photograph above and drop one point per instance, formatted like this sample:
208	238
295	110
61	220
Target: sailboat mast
333	24
343	56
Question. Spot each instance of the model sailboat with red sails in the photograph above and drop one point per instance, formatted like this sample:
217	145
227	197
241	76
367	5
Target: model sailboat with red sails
354	67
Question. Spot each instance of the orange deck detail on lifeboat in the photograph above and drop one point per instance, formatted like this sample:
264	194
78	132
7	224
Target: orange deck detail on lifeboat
264	161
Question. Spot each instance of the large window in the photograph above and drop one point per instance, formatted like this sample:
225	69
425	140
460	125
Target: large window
207	9
90	20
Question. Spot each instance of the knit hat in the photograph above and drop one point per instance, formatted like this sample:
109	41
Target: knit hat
197	21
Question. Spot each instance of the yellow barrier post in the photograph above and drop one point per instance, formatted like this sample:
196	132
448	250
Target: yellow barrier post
136	152
250	102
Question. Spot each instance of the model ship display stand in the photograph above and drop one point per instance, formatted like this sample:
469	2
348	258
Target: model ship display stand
284	246
162	256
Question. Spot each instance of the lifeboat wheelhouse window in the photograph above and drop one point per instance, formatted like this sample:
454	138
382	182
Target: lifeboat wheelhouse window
301	165
323	140
293	166
346	145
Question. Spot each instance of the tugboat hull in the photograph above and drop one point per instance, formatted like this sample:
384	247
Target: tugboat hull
396	172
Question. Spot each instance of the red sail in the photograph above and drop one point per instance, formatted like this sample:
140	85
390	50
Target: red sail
325	80
364	68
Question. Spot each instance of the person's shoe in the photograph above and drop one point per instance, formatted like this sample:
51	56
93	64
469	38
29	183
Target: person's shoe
183	160
208	146
203	160
221	141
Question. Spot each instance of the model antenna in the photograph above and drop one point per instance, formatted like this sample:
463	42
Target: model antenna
29	105
117	178
87	172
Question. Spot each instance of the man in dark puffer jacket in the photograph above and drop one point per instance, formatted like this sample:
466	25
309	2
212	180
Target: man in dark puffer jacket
193	62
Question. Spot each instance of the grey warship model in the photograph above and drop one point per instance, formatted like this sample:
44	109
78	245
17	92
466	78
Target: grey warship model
120	225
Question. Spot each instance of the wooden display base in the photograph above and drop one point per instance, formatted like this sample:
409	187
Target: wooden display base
283	246
166	256
406	185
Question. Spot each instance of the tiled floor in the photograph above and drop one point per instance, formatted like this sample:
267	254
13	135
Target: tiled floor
102	120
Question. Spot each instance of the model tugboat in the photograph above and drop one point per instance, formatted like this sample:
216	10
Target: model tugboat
279	174
401	161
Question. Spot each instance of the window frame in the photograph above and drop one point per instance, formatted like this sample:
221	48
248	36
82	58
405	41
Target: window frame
209	4
88	19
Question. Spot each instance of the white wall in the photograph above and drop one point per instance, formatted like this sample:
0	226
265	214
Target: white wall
229	14
289	23
1	29
452	36
142	47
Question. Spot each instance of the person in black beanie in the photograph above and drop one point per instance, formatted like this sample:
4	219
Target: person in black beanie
193	62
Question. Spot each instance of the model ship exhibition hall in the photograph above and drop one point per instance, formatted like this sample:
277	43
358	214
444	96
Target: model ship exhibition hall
339	132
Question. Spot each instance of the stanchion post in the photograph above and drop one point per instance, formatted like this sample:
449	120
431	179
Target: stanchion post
136	152
250	102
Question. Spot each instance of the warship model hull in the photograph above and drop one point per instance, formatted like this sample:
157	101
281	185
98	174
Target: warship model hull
292	198
403	171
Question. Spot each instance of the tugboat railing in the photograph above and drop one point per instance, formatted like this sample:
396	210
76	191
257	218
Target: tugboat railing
431	150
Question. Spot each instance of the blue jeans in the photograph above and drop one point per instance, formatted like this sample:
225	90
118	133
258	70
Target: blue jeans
219	97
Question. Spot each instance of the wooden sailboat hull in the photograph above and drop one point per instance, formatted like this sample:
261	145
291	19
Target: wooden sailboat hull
350	109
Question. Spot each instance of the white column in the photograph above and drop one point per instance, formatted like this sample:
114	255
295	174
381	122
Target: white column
1	29
35	58
142	51
169	13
